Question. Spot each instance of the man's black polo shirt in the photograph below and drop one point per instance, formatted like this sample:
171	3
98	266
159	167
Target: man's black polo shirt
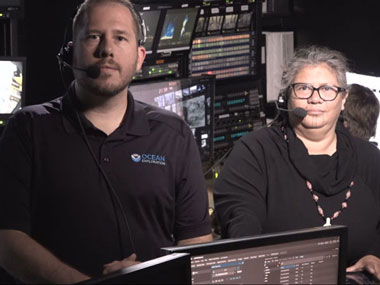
53	189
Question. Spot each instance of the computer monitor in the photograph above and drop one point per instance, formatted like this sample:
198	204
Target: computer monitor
229	22
191	98
177	30
169	269
150	19
201	24
215	23
12	86
372	82
244	20
307	256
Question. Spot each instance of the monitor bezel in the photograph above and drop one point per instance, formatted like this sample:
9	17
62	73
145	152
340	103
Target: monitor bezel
132	274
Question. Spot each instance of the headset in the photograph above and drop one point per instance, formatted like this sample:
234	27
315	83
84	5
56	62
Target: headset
282	101
111	191
282	106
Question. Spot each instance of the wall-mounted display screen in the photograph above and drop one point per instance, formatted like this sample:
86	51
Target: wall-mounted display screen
230	22
215	23
150	20
177	30
12	85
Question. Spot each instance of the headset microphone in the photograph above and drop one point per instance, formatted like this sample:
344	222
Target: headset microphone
92	71
298	112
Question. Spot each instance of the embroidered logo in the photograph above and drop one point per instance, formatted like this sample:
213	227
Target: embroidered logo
149	158
136	157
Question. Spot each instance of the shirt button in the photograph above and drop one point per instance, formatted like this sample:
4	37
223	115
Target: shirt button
106	159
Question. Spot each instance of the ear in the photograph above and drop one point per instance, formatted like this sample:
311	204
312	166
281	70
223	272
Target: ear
141	53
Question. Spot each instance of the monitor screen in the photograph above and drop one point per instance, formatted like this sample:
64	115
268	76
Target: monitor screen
308	256
177	30
169	269
12	76
191	98
12	86
150	20
373	83
201	25
244	20
215	23
230	22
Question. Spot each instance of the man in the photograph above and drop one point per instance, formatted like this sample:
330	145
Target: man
361	112
95	181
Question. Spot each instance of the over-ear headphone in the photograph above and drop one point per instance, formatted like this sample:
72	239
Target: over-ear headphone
65	54
282	101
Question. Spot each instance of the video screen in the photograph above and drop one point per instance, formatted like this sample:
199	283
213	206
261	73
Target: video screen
215	23
177	30
244	20
200	25
230	22
150	19
11	84
190	98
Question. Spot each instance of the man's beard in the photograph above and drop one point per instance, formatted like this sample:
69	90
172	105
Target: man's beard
101	89
104	89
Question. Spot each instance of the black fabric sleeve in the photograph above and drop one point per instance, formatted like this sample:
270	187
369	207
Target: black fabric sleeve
191	207
15	175
240	191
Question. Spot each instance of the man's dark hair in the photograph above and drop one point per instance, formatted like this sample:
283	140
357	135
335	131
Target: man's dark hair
88	4
361	111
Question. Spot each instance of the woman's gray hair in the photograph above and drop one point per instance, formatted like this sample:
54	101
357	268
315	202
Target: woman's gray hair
314	55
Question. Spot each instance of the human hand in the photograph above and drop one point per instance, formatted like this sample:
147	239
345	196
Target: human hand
119	264
370	263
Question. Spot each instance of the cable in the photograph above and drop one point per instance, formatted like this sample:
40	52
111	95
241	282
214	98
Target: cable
62	66
111	189
218	161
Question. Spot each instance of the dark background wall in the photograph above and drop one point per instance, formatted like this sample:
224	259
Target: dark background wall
44	27
352	27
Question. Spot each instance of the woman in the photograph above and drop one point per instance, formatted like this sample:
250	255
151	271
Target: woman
306	171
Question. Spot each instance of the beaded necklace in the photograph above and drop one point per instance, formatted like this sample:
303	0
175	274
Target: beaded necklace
344	204
315	197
